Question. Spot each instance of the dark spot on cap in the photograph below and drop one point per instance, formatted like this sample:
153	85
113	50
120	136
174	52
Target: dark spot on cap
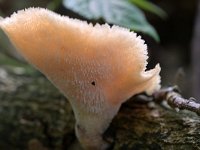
93	83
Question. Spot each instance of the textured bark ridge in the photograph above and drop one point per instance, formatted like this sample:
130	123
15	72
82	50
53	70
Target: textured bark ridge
35	116
141	126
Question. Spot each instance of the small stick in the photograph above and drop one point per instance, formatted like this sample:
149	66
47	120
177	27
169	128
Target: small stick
174	99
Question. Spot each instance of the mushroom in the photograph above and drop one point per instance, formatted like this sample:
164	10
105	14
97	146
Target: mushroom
96	67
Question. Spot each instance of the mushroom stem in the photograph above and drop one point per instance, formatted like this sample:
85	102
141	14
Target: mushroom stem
90	126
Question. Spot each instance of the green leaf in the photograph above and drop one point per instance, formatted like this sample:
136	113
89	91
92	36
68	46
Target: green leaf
54	4
148	6
119	12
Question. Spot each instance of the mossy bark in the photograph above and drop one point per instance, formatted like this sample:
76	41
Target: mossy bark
35	116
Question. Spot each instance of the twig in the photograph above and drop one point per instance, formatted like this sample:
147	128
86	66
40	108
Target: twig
174	99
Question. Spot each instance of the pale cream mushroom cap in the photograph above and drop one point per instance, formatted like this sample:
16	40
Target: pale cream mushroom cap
93	66
71	52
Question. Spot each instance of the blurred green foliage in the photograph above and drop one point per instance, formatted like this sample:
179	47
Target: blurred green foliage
150	7
120	12
54	4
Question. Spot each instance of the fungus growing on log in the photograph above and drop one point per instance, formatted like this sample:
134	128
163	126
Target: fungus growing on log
96	67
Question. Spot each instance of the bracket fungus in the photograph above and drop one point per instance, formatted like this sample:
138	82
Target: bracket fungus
96	67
